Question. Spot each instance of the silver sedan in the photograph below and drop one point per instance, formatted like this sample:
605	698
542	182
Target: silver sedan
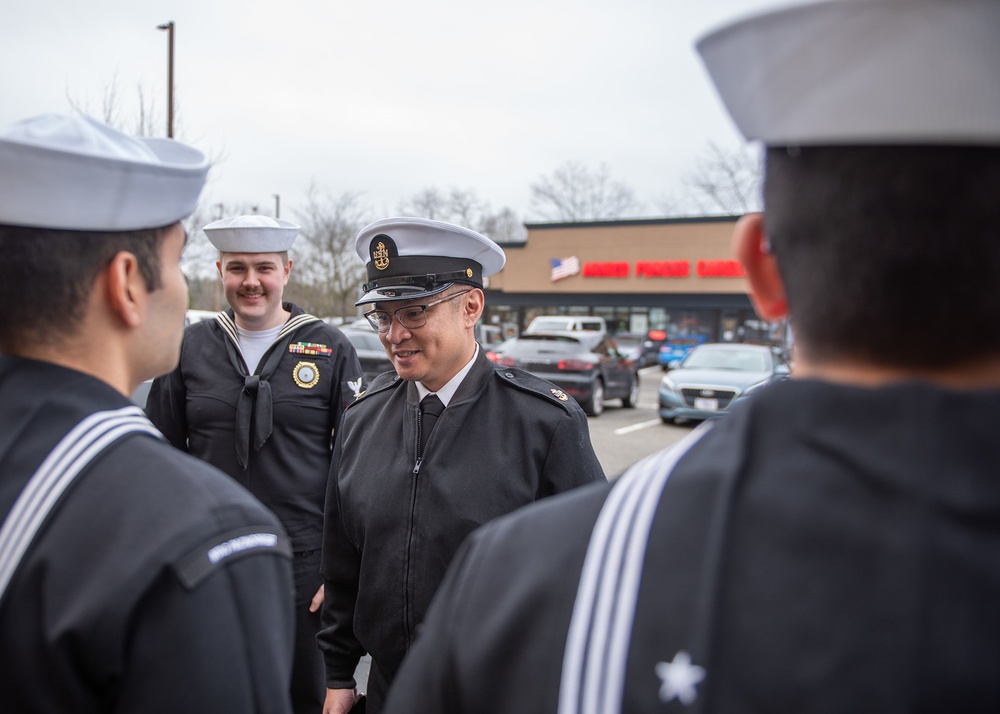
713	376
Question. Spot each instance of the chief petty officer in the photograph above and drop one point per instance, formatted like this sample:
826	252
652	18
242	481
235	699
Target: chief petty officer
404	492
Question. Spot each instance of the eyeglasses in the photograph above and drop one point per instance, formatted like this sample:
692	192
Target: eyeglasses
410	317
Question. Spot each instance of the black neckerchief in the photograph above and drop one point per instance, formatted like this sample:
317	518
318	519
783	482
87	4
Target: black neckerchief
255	397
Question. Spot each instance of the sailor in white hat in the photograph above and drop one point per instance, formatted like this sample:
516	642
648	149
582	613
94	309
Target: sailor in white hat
113	545
828	546
75	173
252	234
447	442
258	392
254	267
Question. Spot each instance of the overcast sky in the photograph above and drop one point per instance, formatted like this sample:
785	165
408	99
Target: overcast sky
389	98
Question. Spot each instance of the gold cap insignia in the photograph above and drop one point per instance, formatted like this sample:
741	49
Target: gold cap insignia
468	272
381	256
559	394
306	374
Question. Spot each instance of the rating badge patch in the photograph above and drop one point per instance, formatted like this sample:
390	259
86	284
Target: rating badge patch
306	374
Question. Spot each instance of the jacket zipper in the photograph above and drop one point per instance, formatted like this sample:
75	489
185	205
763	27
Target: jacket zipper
409	538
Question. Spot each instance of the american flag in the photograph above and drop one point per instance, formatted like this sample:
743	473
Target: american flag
564	267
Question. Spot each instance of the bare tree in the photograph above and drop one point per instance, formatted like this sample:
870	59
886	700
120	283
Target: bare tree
145	119
504	227
427	203
722	182
575	193
147	116
465	208
328	271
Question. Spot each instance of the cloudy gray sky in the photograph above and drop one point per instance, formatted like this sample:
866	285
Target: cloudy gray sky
389	98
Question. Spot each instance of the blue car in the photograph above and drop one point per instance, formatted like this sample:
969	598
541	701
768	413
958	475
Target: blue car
676	348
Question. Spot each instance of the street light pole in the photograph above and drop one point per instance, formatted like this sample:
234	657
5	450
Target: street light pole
169	27
277	205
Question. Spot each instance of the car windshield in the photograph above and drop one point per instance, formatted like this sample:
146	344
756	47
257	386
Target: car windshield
541	324
502	346
734	359
552	345
364	340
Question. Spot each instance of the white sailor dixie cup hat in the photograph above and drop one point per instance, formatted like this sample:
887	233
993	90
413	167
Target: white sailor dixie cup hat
71	172
251	234
863	72
408	258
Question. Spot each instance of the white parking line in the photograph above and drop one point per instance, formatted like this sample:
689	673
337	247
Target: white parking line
636	427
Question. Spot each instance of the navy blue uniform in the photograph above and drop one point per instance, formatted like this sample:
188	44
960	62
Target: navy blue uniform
394	520
809	552
283	417
121	603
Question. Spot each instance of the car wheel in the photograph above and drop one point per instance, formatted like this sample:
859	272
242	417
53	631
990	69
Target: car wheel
632	398
668	420
595	405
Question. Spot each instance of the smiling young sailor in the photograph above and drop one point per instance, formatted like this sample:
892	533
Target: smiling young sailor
259	392
404	491
132	577
833	544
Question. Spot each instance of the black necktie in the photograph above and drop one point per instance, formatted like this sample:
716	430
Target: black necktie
430	409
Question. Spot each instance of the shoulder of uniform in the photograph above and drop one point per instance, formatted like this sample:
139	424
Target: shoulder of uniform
324	328
200	332
385	382
200	326
300	320
213	522
222	549
534	385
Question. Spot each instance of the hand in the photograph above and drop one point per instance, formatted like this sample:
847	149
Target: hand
317	601
339	701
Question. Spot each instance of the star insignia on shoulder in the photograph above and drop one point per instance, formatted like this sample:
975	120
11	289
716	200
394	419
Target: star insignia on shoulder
679	679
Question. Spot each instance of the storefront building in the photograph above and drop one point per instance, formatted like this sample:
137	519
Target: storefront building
674	275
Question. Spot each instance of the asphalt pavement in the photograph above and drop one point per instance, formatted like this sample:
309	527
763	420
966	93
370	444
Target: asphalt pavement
623	436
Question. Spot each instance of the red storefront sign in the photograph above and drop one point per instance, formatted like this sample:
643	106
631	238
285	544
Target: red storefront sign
619	269
719	269
664	269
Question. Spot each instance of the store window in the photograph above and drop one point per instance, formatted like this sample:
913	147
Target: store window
691	322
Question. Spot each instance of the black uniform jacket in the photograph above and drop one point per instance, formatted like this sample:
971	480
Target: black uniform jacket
317	374
394	522
822	549
108	610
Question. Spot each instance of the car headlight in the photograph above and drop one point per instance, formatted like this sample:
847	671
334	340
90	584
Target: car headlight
754	388
667	383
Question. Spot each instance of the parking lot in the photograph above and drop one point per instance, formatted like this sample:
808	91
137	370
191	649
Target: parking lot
623	436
